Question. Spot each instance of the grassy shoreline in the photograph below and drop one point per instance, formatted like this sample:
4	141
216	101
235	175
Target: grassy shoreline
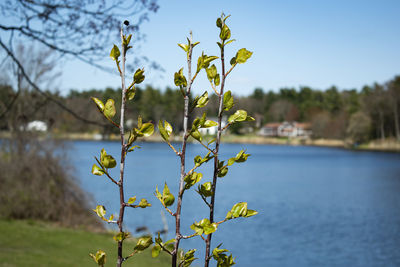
388	145
35	243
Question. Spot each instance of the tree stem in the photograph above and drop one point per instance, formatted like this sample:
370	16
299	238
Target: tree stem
216	151
178	235
123	154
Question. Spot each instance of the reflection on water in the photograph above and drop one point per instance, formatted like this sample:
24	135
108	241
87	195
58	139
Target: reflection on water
317	206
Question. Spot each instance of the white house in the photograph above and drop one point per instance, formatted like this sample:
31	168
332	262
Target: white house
286	129
39	126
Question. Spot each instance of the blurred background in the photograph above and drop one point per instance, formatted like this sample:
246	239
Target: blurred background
323	85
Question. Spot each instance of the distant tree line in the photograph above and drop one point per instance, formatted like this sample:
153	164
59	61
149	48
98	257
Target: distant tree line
362	115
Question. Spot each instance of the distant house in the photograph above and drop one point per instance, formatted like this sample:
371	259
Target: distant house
270	129
286	129
39	126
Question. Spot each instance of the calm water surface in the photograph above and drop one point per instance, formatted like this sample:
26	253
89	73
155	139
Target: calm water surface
317	206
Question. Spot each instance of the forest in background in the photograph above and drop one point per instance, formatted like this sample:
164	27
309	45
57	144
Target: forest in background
360	115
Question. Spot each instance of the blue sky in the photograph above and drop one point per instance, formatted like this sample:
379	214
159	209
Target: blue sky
295	43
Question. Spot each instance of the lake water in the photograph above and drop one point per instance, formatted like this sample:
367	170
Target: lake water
317	206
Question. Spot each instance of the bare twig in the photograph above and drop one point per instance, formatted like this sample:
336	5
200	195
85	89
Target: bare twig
123	154
26	76
216	151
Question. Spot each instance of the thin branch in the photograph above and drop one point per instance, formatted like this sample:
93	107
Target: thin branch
205	200
106	172
229	71
173	148
21	68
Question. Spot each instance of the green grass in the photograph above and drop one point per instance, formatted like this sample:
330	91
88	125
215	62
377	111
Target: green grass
31	243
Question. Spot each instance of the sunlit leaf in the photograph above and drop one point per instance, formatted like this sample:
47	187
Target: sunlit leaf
147	129
228	100
144	204
239	115
100	211
96	170
121	236
206	189
115	53
143	243
180	79
107	160
167	197
132	200
109	108
138	77
98	103
99	258
243	55
155	251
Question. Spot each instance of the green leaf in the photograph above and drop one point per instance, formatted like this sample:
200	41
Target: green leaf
204	61
192	179
251	213
211	72
100	211
147	129
132	200
204	226
155	251
241	156
109	108
219	22
249	118
133	148
138	77
144	204
98	103
197	160
239	115
199	122
243	55
217	80
143	243
196	135
205	189
231	161
233	61
222	172
107	160
209	123
121	236
230	41
158	195
188	258
228	100
240	210
185	47
223	260
126	40
130	93
167	198
99	258
180	79
115	53
225	33
165	130
210	228
96	170
168	128
202	100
